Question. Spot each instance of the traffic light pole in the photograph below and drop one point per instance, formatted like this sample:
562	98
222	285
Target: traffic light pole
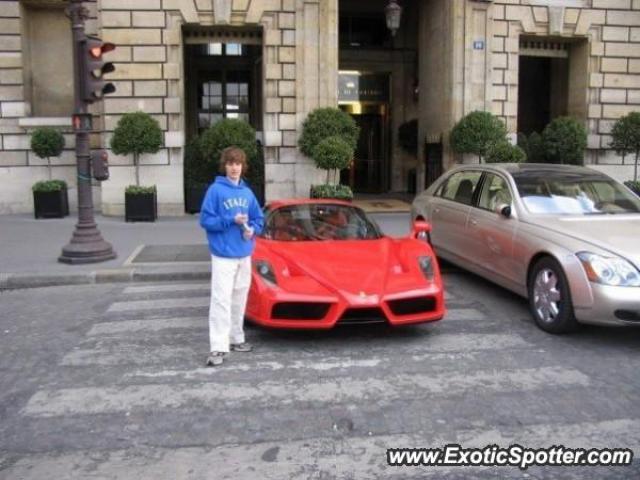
86	244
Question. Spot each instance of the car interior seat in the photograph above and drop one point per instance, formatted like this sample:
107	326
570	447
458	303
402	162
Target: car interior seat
464	192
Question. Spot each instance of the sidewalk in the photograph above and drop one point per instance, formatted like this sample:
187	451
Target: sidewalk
165	250
29	251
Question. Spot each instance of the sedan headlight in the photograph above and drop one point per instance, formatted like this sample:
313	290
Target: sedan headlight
614	271
426	265
265	270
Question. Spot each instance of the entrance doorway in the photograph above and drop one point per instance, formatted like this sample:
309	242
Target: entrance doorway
552	81
366	174
365	97
222	80
543	92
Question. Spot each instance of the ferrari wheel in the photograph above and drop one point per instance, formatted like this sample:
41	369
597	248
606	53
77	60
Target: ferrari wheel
550	297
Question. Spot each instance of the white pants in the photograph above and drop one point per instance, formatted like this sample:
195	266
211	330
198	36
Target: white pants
230	282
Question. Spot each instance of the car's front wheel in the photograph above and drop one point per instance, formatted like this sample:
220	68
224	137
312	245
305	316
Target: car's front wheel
550	297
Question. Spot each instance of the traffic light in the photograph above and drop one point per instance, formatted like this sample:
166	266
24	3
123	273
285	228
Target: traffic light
100	165
94	86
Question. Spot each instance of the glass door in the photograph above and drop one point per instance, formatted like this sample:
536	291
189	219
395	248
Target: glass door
223	94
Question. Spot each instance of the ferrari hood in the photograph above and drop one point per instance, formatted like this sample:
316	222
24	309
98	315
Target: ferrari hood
348	268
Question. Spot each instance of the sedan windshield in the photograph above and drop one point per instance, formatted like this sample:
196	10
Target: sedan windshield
574	194
319	221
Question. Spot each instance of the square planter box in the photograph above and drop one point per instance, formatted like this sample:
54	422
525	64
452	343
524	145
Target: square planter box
193	197
140	207
51	204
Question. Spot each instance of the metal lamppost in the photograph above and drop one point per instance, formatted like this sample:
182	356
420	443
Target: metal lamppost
86	244
393	15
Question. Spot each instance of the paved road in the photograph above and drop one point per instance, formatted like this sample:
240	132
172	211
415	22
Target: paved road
107	382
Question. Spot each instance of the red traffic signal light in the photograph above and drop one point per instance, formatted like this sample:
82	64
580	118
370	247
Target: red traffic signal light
94	86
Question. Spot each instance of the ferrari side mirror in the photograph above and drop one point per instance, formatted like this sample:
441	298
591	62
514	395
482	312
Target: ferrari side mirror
421	230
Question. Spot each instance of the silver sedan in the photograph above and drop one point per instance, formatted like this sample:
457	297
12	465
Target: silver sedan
565	237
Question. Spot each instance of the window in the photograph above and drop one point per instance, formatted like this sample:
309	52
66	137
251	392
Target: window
222	49
574	195
461	186
48	77
495	192
224	94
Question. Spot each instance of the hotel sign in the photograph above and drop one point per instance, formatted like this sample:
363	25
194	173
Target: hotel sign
360	87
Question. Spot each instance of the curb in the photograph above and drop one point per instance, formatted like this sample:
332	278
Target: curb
18	281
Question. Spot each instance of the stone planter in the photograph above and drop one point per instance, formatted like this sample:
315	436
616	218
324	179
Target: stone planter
193	196
140	207
51	204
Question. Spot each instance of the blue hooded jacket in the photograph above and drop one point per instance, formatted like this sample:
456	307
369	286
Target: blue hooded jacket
223	201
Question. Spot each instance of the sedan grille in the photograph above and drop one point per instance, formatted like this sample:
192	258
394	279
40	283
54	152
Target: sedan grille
299	311
412	306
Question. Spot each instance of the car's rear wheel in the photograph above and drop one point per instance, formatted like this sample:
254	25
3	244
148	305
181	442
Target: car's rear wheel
550	297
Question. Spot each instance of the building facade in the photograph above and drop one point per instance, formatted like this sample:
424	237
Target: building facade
189	63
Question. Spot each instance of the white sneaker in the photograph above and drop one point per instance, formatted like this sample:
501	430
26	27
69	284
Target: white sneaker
214	359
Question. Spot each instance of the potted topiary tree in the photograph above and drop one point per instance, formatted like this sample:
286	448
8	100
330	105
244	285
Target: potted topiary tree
50	197
326	126
626	139
565	140
237	133
532	147
332	154
137	133
504	152
476	133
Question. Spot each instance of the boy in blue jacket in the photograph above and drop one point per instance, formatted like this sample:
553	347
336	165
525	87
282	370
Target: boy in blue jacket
232	217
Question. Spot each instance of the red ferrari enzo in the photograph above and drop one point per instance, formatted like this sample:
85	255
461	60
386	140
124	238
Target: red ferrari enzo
319	263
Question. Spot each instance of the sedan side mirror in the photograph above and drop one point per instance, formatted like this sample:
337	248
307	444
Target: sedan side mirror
421	230
504	210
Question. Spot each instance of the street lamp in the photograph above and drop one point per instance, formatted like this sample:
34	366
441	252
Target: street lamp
393	14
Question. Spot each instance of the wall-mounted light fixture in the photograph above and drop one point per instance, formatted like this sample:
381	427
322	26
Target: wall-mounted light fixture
393	15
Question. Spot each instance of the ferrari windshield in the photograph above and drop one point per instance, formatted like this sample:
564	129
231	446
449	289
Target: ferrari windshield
319	221
571	194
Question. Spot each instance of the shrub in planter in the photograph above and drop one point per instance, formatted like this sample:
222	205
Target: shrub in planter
141	204
333	154
137	133
339	192
196	176
476	132
626	138
327	122
47	142
532	147
233	133
255	175
50	199
565	140
329	137
634	185
504	152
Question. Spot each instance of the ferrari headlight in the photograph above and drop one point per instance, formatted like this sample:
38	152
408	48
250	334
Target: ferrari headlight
613	271
426	265
265	270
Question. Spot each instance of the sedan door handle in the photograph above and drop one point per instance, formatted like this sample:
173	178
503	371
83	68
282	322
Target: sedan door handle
474	222
436	210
